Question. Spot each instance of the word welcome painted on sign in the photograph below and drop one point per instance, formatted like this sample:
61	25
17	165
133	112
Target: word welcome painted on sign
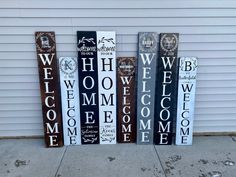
50	92
166	88
186	100
88	98
70	100
146	75
126	100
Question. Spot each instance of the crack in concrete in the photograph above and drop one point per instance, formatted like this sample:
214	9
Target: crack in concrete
233	138
62	157
160	161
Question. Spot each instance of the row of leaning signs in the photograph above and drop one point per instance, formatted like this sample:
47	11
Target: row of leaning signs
96	98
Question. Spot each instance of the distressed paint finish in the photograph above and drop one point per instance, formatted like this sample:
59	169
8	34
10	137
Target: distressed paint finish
70	100
166	92
88	86
186	100
126	99
146	75
49	86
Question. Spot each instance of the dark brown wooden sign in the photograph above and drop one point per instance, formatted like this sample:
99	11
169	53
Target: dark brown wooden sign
167	87
49	85
126	100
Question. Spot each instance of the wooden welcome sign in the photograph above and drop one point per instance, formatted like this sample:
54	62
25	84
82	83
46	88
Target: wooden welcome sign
146	77
186	100
70	100
49	85
88	86
106	57
126	92
166	88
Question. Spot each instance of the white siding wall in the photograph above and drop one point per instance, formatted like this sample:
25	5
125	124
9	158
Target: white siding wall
207	30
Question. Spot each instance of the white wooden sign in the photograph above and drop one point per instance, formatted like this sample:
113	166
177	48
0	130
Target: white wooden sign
70	100
106	54
186	100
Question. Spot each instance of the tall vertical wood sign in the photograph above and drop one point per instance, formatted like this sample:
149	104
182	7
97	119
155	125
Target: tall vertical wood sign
186	100
106	53
166	92
88	86
70	100
49	85
146	75
126	100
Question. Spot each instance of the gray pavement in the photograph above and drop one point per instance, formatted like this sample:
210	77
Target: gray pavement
209	156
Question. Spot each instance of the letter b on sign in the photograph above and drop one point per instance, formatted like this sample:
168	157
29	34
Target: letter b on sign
188	66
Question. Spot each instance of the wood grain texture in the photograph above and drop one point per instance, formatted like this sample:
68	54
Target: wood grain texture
50	90
167	89
126	92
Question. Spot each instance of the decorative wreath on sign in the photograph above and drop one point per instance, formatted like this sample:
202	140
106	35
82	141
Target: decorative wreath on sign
147	42
68	66
126	66
45	42
194	62
169	42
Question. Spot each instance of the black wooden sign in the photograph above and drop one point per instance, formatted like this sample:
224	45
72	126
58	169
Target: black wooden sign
166	93
88	86
49	85
126	99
